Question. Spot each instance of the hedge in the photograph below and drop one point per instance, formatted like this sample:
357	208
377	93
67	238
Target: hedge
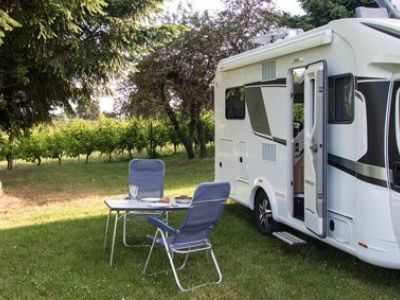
79	138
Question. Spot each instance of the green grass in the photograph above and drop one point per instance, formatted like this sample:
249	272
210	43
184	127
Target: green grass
51	245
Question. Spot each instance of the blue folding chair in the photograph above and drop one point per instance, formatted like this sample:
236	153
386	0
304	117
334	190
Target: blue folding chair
193	236
147	176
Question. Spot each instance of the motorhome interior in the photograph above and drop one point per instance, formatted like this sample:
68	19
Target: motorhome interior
308	134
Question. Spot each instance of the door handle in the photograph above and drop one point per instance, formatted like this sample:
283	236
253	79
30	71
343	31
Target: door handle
309	182
314	148
241	159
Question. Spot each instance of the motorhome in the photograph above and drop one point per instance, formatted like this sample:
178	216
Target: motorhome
308	134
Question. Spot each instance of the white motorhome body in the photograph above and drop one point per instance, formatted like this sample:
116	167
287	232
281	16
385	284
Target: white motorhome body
336	175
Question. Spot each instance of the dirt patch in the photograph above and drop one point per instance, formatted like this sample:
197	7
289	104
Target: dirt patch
14	204
10	203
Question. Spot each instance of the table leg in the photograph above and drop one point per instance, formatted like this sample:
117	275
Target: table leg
166	220
113	238
106	231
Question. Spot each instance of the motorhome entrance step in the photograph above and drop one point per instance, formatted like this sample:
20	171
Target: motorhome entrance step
289	238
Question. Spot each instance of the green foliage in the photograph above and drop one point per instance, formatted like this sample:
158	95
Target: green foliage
83	137
157	137
132	136
141	140
321	12
181	71
6	24
209	124
66	51
33	148
55	144
107	136
80	138
4	147
298	112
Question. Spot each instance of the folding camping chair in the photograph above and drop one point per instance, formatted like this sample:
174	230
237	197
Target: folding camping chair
193	236
146	176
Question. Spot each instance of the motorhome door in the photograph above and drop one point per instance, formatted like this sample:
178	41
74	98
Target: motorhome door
315	148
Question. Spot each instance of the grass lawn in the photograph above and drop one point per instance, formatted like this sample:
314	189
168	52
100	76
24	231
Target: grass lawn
51	233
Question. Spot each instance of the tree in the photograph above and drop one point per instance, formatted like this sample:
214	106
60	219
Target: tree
80	138
63	51
55	145
131	136
321	12
176	80
33	147
107	136
157	137
6	24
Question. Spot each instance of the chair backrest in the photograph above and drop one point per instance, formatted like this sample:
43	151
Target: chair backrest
205	211
148	176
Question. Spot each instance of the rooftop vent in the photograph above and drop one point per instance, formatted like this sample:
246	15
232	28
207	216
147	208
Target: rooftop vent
279	34
367	12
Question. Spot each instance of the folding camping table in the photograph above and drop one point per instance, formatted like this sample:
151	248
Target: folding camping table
123	206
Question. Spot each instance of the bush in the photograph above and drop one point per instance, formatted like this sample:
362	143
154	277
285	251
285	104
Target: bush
80	139
209	124
157	137
33	147
106	135
56	145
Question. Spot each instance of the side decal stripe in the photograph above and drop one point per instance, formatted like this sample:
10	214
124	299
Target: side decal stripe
271	138
278	81
369	173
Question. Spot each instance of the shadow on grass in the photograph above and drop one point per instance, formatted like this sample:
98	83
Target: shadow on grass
66	259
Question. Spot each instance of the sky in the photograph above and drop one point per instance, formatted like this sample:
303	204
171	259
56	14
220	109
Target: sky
290	6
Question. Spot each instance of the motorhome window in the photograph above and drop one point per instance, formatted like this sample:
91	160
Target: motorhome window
256	108
341	99
235	108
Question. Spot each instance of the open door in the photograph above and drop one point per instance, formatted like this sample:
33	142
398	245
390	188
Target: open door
315	148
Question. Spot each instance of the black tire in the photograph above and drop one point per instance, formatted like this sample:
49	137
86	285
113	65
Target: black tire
263	214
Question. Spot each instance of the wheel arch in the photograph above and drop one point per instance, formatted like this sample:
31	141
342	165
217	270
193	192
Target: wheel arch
264	185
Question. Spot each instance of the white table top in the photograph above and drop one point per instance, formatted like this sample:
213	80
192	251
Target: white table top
135	205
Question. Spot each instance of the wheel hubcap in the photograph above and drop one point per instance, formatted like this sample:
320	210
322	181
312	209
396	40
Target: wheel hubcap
264	213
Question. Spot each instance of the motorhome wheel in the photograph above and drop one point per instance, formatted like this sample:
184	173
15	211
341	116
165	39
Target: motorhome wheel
263	214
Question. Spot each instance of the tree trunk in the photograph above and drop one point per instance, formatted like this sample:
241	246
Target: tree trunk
9	155
59	160
39	161
109	157
87	158
175	146
130	153
201	136
191	133
186	141
10	162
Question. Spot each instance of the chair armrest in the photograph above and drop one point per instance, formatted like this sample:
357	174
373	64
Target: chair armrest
160	224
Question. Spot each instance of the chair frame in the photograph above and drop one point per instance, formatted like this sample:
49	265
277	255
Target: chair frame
142	215
162	230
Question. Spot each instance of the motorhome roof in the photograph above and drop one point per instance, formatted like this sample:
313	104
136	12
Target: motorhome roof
311	39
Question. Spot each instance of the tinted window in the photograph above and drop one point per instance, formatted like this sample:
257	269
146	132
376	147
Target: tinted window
256	109
341	99
235	104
